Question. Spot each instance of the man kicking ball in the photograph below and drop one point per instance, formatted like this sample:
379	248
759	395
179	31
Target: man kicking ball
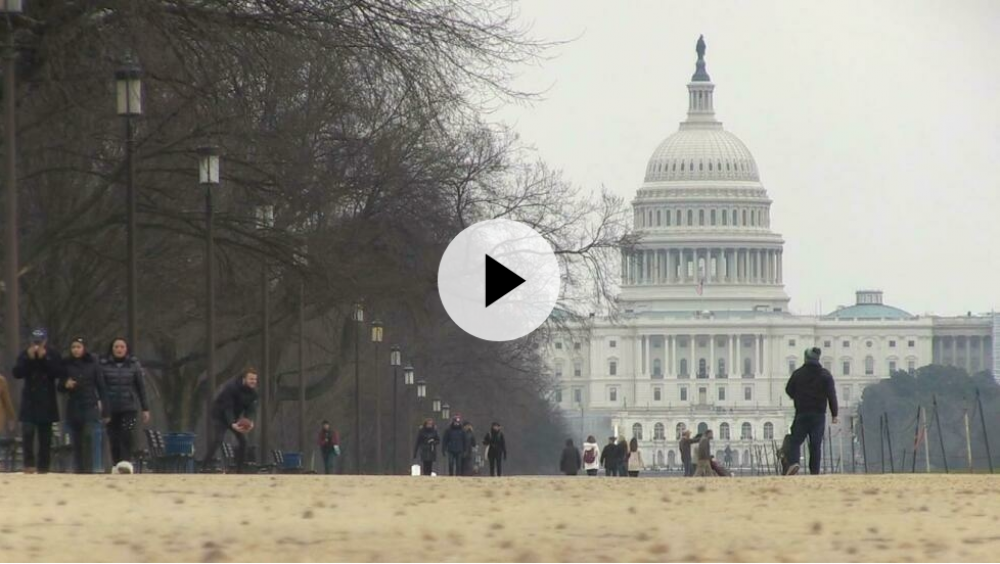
232	410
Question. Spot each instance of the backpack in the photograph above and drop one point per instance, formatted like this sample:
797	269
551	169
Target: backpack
590	455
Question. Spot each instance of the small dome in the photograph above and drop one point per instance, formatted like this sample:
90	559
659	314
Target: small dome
702	154
869	311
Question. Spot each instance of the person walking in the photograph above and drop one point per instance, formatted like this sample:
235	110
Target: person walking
496	449
471	450
329	447
570	462
425	449
635	464
704	467
811	388
233	409
126	394
86	403
622	456
609	458
454	446
685	448
591	456
41	368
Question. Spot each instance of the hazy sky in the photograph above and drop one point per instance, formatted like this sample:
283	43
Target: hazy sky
875	125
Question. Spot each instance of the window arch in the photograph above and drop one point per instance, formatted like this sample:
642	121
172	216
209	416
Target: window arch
702	368
637	431
734	219
658	432
682	167
690	217
869	365
613	366
744	218
659	219
711	218
725	217
702	427
667	214
753	218
671	458
746	431
678	218
724	431
680	429
768	431
659	458
701	217
650	218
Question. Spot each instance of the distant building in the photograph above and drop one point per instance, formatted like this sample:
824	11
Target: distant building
707	340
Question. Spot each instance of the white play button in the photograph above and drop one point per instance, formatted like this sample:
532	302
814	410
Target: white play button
499	280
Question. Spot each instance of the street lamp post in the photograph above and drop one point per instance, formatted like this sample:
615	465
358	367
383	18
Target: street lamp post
128	89
12	317
359	318
208	177
377	340
265	221
394	361
421	394
408	383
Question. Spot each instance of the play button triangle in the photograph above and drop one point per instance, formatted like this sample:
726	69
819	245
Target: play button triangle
500	280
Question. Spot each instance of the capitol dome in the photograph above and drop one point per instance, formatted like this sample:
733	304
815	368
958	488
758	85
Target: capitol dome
702	153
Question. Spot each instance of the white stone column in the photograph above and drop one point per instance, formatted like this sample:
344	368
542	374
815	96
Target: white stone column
781	274
645	351
673	356
692	365
636	355
711	355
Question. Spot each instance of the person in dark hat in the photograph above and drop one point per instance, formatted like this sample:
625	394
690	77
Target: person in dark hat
812	388
41	368
611	457
453	443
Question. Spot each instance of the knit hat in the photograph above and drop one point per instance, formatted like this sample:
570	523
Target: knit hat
813	354
39	335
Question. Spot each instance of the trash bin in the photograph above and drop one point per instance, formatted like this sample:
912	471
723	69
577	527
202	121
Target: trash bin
292	460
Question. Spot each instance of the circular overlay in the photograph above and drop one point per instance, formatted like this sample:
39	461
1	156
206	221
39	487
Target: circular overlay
499	280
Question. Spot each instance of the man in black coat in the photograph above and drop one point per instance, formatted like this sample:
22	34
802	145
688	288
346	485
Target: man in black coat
496	449
233	410
611	457
41	368
453	443
811	387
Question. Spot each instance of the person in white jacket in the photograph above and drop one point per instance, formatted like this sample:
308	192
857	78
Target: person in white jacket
634	459
591	456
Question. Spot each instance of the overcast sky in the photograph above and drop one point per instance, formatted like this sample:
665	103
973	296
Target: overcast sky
875	125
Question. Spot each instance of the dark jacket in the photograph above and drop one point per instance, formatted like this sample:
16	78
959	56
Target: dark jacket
812	388
454	439
705	449
570	462
426	446
611	456
38	397
497	444
124	381
622	455
685	447
328	439
234	400
89	388
470	442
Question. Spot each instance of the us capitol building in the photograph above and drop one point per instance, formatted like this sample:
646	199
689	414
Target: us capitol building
706	339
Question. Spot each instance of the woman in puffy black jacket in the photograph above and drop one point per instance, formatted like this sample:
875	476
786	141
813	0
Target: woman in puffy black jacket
126	392
86	403
425	449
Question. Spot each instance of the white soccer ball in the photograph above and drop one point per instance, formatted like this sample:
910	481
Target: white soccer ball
124	467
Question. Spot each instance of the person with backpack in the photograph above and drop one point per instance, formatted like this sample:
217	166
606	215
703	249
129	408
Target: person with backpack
812	388
610	458
591	456
496	449
570	462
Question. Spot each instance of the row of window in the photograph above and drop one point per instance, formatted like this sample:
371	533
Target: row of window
683	371
665	217
845	367
746	431
738	165
869	344
612	394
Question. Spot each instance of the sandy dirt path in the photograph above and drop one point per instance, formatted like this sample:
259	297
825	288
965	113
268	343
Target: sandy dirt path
317	518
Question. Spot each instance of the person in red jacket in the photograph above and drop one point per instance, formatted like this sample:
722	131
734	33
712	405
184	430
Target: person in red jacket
329	445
